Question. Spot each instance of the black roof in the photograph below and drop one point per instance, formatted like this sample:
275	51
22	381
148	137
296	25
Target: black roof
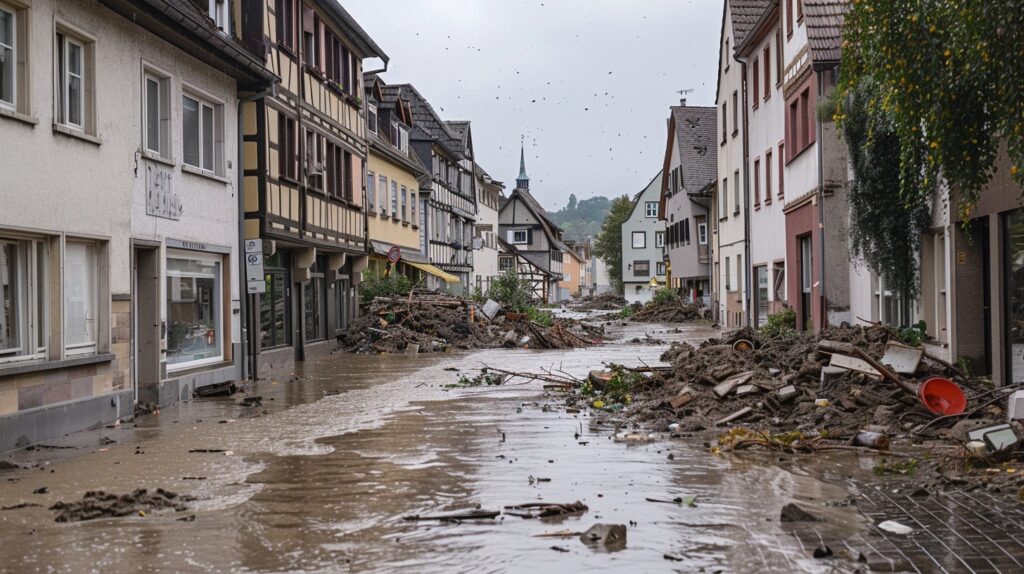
696	130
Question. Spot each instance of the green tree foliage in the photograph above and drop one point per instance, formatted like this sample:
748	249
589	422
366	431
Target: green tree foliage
886	225
608	244
951	74
514	294
394	285
581	219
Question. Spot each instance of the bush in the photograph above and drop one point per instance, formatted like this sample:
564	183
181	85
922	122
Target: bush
514	294
781	324
665	296
626	312
394	285
543	318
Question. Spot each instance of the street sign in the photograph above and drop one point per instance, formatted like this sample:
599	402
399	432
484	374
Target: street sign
394	254
254	280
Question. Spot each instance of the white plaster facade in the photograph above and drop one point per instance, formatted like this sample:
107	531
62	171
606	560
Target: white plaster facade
485	234
643	242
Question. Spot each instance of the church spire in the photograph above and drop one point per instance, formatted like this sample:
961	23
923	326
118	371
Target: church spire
523	181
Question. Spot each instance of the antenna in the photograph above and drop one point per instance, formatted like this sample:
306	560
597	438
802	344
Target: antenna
682	100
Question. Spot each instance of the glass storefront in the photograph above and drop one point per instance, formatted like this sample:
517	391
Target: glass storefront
314	299
194	318
274	324
1014	265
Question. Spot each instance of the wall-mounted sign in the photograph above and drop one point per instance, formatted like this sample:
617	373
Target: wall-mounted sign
254	277
161	201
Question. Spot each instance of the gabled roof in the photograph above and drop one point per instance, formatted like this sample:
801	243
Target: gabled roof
460	128
427	124
696	130
353	31
551	230
768	17
637	195
506	247
824	20
745	15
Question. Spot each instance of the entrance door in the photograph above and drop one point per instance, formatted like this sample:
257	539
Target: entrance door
806	266
761	281
1013	262
146	325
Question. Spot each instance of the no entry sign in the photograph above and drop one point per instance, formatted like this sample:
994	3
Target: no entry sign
394	254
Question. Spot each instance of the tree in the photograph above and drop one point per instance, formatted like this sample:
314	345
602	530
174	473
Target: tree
608	244
950	74
572	202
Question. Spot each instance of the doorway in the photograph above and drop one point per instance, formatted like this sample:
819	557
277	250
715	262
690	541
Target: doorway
806	274
146	325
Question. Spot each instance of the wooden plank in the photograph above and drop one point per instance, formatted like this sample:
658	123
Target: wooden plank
854	364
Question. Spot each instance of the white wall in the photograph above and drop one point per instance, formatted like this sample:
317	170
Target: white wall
650	226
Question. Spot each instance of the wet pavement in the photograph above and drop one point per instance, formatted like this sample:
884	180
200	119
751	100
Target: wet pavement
351	444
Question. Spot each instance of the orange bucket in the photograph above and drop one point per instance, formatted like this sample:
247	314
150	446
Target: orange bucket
942	396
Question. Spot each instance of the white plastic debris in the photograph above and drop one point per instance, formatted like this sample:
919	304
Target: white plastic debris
635	437
1016	406
674	427
894	527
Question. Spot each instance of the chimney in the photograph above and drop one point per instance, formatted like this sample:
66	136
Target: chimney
682	102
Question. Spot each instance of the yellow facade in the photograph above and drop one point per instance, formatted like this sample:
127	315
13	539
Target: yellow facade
385	227
572	268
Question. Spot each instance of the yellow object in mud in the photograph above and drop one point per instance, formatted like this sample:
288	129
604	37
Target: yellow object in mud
598	404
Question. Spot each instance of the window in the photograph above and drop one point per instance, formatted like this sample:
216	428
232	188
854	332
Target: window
405	204
767	61
659	238
394	199
194	320
519	236
71	81
371	191
314	302
81	300
202	134
220	15
11	49
412	206
274	326
659	268
735	113
287	153
651	209
639	239
799	10
736	192
317	178
702	233
403	139
757	182
778	58
156	104
371	118
800	125
723	199
641	268
383	199
339	182
728	275
789	17
782	166
284	10
686	230
725	123
768	176
726	55
310	37
24	297
755	75
505	262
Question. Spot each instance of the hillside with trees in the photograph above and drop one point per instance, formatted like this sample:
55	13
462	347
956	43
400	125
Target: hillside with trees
582	218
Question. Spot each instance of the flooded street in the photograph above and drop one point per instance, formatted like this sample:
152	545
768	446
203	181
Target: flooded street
321	482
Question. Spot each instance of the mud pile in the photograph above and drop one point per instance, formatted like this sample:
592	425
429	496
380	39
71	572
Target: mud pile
676	312
436	323
778	385
603	302
98	504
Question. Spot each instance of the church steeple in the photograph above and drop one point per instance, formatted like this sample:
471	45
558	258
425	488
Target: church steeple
523	181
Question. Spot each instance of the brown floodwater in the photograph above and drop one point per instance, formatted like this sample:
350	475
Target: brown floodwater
351	444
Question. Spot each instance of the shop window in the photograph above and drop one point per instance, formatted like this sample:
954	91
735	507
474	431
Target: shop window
23	299
194	317
274	330
314	298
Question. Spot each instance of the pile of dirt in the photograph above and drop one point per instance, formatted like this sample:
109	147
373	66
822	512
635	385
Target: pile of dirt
603	302
438	323
777	385
98	504
676	312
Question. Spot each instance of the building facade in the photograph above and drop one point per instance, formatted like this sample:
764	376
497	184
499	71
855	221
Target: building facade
304	158
134	238
643	244
490	194
691	162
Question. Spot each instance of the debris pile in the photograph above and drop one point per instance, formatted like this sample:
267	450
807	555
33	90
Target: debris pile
673	312
798	383
436	322
98	504
603	302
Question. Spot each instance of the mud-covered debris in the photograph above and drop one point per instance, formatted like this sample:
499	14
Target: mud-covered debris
604	302
610	537
8	465
476	514
20	505
98	504
225	389
793	513
674	312
545	509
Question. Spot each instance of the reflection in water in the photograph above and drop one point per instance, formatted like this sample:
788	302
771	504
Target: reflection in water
323	485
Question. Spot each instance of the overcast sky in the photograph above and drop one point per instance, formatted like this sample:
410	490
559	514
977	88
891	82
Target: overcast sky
587	82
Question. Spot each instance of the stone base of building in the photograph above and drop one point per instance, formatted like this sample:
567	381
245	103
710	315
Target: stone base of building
33	426
180	387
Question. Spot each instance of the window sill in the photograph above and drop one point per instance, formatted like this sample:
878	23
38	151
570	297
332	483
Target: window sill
186	168
44	365
735	133
77	134
405	224
18	116
148	155
800	152
290	52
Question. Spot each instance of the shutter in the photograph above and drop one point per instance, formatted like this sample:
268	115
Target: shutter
307	19
529	236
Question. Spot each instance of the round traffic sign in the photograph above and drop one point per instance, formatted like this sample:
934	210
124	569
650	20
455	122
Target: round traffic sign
394	254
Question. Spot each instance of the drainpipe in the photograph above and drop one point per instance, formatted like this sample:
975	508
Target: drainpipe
746	193
821	210
243	295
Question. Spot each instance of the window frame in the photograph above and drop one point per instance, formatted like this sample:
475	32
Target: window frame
643	239
15	103
216	107
755	76
164	116
636	268
371	192
32	298
371	113
217	300
515	233
768	157
757	181
647	209
285	26
287	148
659	239
87	347
220	9
64	39
659	269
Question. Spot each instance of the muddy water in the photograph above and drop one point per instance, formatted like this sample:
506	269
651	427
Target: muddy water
321	482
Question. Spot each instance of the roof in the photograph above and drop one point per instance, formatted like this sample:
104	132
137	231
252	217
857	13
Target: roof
768	17
550	228
507	247
696	129
824	20
460	129
745	15
183	24
427	124
353	30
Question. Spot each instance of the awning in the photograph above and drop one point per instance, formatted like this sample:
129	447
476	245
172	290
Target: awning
448	277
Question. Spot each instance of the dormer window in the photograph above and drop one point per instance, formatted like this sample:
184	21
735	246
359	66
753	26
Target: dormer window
371	118
394	133
403	139
218	12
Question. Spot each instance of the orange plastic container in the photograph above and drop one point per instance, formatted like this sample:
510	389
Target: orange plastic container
942	396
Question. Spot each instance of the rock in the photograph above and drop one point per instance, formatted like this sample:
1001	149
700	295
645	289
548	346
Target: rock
41	490
894	527
744	390
681	400
787	392
610	537
7	465
822	551
793	513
